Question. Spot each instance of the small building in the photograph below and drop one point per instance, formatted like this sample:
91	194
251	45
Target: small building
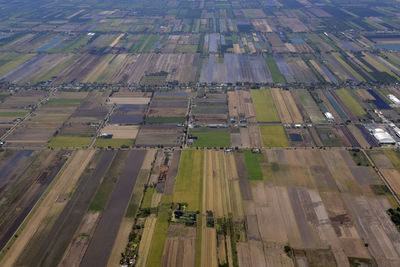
106	136
394	99
329	116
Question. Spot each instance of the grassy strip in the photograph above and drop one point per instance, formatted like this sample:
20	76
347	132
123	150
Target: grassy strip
103	193
273	136
160	233
137	194
189	179
275	72
137	45
147	199
63	102
69	141
113	143
252	161
264	106
351	103
150	42
155	120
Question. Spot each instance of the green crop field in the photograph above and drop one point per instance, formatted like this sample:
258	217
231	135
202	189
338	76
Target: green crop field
253	165
351	103
186	49
275	72
264	106
273	136
159	236
69	141
63	102
114	143
212	139
146	204
328	137
310	106
189	179
13	113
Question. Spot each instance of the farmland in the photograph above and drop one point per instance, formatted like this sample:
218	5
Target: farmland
210	138
264	106
199	133
273	136
200	203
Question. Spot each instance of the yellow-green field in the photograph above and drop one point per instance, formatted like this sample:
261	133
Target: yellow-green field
394	158
69	141
348	68
264	106
273	136
351	103
13	60
189	180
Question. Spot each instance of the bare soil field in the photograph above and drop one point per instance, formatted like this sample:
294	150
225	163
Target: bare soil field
358	136
123	131
180	246
131	68
299	137
128	114
145	242
22	100
159	134
172	172
168	107
286	107
235	68
241	105
309	202
76	249
129	100
255	136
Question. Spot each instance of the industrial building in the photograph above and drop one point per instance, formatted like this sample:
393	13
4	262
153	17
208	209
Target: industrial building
383	137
